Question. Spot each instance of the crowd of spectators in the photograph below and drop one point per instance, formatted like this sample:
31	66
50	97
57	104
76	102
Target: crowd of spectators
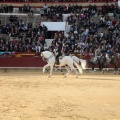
4	8
26	37
83	35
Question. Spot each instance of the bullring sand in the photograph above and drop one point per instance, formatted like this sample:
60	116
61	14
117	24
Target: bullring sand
31	95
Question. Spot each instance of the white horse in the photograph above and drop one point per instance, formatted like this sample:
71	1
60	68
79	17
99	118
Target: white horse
66	61
82	63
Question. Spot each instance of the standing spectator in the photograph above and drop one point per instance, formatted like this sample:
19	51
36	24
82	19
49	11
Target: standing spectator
45	29
45	7
28	8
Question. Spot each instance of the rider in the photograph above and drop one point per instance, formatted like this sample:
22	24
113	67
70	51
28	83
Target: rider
58	51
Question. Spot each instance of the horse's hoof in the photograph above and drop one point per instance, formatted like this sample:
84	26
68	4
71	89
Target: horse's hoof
76	76
65	76
49	76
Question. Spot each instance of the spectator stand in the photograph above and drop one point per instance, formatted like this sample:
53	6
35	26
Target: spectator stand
25	17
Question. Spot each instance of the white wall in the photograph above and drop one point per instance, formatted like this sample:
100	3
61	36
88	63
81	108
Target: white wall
55	26
48	42
119	3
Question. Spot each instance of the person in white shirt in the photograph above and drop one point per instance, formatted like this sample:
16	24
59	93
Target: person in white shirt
38	48
45	7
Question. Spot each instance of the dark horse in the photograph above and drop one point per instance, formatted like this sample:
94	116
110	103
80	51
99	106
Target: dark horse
94	62
113	60
105	60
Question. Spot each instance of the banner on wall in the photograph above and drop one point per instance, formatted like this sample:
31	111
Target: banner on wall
7	53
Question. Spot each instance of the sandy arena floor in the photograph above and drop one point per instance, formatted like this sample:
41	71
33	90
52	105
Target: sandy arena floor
31	95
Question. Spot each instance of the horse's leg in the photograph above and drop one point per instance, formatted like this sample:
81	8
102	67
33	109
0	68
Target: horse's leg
56	69
73	68
60	68
103	70
93	69
116	69
45	67
51	70
68	71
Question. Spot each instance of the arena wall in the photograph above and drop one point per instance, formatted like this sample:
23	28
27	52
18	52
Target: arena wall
26	61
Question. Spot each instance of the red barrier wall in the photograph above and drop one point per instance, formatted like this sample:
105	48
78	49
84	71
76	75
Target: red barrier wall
21	62
26	61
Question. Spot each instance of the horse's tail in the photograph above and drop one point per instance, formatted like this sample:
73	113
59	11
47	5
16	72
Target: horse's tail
78	66
83	64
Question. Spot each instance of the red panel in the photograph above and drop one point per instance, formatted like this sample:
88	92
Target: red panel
25	62
21	62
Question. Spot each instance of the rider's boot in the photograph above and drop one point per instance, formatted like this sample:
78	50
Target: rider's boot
57	62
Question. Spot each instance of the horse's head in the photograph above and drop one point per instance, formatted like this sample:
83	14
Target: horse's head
46	55
43	56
